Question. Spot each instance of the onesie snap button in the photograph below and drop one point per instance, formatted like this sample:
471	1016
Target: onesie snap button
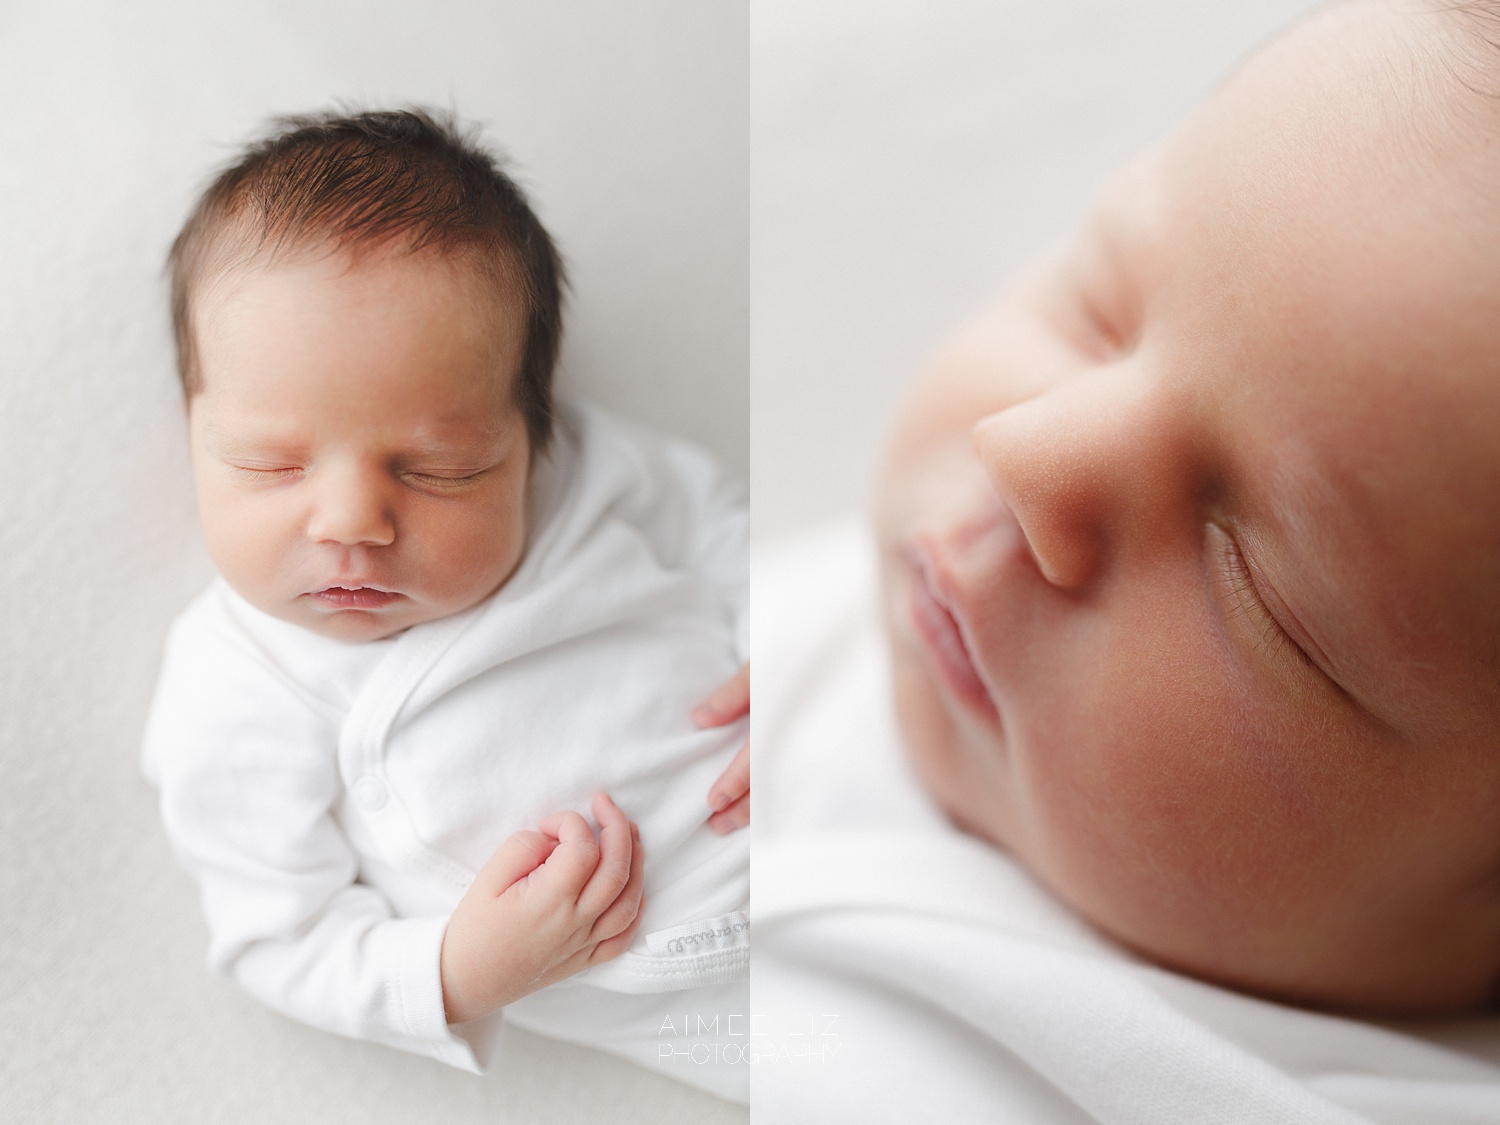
369	792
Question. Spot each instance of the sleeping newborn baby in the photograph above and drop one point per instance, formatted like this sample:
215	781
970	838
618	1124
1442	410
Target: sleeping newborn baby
1189	569
1191	542
451	613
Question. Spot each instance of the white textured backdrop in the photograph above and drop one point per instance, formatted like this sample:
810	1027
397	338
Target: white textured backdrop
628	121
906	158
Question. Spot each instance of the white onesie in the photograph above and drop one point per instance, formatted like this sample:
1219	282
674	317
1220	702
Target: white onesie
334	800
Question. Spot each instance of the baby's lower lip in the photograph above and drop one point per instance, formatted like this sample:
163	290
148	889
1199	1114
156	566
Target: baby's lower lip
364	597
944	642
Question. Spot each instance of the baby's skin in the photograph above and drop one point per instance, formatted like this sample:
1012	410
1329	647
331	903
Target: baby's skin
361	466
1191	541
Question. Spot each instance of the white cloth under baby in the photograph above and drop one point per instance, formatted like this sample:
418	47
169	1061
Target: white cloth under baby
907	972
334	800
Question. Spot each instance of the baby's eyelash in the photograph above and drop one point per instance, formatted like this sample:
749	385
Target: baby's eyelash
441	481
264	474
1245	601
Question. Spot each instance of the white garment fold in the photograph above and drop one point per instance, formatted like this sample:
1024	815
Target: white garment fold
335	800
906	971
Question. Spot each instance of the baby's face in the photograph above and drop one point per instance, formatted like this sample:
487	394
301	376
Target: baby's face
1192	541
361	464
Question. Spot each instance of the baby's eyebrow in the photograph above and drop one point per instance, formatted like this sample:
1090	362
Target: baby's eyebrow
476	444
243	434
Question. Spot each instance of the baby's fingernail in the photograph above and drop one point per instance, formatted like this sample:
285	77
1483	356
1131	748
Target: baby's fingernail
719	801
704	715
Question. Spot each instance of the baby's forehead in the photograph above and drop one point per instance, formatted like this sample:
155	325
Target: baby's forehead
269	300
279	330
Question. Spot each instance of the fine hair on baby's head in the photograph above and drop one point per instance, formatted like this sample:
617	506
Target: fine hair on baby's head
410	180
1191	540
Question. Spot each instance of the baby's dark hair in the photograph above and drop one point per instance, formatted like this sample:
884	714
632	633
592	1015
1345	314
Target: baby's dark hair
1473	65
407	178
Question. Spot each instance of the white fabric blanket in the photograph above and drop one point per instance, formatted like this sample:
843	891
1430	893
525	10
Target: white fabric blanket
334	800
905	971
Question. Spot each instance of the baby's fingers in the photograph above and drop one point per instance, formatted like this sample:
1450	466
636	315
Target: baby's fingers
732	817
729	701
575	856
625	911
733	783
518	856
610	948
615	848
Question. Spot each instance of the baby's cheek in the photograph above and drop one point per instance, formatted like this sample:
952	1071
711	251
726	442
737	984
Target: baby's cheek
1161	811
247	543
468	549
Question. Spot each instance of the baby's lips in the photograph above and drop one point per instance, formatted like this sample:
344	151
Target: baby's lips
935	622
361	597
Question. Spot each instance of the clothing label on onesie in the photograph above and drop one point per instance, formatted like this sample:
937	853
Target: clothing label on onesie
728	931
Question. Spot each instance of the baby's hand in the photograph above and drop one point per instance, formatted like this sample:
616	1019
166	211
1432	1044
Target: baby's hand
548	904
729	796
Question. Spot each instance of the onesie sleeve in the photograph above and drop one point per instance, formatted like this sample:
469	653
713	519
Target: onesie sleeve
248	775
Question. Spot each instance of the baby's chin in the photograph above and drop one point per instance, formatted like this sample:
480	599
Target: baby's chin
355	626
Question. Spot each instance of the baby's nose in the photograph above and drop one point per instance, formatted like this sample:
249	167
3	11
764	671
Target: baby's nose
1083	468
351	510
1054	498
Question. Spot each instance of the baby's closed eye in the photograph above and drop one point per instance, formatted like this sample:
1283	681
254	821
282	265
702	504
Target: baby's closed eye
441	480
264	472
